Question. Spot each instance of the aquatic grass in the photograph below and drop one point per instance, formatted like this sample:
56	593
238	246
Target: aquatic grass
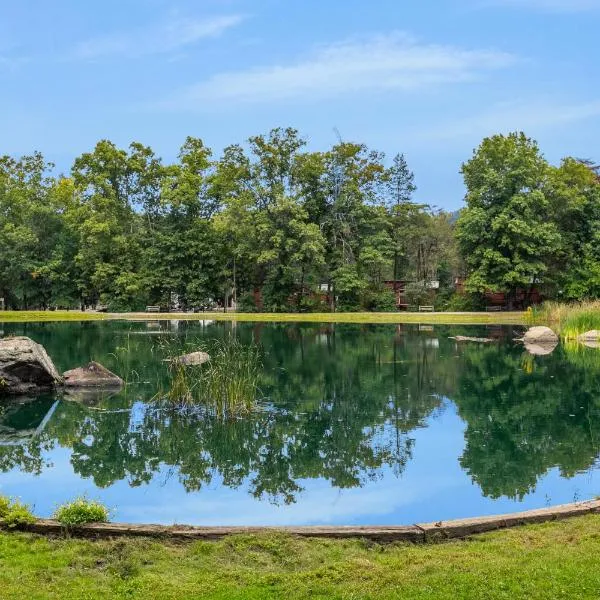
582	356
569	319
227	384
81	511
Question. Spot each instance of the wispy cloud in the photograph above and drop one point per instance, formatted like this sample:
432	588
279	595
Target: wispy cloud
171	36
387	62
506	117
550	5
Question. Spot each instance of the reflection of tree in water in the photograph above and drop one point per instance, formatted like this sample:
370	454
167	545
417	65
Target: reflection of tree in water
521	422
341	403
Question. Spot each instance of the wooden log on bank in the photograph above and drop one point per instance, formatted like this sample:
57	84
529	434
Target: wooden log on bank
410	533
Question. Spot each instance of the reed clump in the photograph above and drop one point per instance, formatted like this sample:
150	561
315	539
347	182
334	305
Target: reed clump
226	385
569	319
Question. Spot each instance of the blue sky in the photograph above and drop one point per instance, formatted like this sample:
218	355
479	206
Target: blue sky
429	78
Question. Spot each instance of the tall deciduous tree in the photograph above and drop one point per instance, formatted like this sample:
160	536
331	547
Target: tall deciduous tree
505	232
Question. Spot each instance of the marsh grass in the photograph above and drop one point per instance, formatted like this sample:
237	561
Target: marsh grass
227	385
570	320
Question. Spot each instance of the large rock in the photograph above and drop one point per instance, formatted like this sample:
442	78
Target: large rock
591	339
540	341
94	375
541	349
540	335
192	359
25	367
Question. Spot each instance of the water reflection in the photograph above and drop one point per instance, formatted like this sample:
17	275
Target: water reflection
341	404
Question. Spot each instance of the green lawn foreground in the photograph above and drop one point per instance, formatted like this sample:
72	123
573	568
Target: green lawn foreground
552	560
440	318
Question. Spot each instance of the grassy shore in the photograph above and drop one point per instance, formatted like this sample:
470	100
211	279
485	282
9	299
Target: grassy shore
553	560
569	320
476	318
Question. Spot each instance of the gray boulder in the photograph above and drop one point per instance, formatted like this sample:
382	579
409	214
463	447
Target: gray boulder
25	368
591	339
540	341
93	375
540	335
191	360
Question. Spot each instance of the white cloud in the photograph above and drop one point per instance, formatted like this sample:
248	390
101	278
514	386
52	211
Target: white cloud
506	117
171	36
551	5
388	62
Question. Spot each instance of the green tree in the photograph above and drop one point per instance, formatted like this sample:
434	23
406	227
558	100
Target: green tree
504	232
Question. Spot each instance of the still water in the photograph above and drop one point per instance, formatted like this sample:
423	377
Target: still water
358	424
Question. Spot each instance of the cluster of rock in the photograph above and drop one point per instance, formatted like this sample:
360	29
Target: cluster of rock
26	369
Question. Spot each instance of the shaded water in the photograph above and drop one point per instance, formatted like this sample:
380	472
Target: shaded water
359	424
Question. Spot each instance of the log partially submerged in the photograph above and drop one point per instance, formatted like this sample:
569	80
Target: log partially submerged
464	338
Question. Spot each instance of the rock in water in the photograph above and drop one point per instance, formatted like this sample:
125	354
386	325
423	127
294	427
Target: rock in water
540	335
25	367
193	359
540	341
94	375
591	339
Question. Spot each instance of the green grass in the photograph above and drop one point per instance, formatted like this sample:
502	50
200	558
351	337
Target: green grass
24	316
570	320
506	318
227	384
553	560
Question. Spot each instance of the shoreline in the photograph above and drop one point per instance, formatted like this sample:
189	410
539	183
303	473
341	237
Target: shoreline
419	532
394	318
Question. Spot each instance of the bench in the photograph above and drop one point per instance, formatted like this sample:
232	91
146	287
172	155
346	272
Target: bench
426	309
493	308
153	309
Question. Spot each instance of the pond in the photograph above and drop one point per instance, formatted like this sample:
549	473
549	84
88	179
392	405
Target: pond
358	424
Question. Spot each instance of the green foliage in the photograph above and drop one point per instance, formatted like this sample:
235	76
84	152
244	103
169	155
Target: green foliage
504	233
13	513
126	230
464	303
536	562
227	384
81	511
570	319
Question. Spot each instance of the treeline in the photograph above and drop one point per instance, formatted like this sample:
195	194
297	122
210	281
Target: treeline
273	226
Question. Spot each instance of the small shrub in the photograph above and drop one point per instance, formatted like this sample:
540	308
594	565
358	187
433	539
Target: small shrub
13	513
81	511
4	506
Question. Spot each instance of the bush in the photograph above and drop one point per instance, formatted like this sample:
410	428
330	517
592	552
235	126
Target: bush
13	513
381	300
464	303
81	511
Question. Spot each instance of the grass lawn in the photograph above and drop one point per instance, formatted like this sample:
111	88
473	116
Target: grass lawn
553	560
481	318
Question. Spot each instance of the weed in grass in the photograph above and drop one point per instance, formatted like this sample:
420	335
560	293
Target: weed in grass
81	511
